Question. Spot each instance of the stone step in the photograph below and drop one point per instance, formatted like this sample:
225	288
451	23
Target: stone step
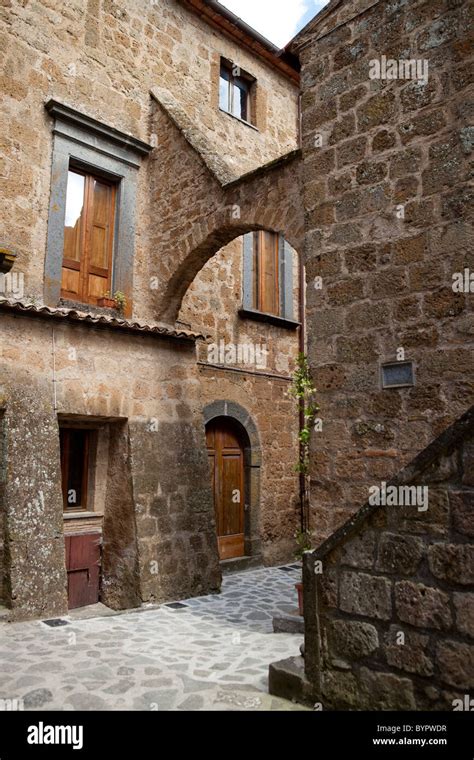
239	564
292	622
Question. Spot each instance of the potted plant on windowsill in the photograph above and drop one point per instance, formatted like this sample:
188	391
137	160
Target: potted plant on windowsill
118	301
304	392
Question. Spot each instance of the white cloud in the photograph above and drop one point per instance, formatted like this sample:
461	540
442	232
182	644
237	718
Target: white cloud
278	20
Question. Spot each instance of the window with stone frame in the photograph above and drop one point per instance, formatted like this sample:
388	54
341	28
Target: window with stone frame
91	225
236	92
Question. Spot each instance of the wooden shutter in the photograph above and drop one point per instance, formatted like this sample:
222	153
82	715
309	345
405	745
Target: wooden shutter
88	238
74	229
266	280
98	266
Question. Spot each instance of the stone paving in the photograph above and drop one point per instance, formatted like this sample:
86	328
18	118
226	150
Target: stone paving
212	654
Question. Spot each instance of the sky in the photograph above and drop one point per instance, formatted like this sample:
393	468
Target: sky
277	20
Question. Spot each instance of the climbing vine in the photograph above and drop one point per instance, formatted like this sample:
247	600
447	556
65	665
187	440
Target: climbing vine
304	392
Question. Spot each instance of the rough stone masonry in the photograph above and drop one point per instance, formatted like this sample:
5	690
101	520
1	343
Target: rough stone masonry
386	161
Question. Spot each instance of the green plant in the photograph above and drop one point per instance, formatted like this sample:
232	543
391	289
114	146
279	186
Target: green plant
120	301
304	543
303	390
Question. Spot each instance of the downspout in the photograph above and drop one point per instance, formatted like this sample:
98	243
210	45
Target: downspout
304	517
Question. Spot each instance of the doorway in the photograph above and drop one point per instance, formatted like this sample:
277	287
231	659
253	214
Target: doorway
80	448
225	447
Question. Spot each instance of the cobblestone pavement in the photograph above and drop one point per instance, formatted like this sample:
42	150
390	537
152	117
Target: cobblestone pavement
212	654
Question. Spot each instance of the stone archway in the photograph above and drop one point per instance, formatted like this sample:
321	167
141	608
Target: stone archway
199	208
253	463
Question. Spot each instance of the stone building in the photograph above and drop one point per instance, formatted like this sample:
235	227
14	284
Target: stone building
121	120
374	197
386	151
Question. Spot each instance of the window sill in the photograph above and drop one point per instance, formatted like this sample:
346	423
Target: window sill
237	118
81	515
272	319
90	308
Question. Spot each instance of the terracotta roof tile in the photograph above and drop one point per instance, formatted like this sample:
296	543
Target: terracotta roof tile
96	320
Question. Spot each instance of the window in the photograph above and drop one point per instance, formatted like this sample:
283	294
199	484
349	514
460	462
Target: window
88	237
75	447
266	281
91	225
268	278
235	91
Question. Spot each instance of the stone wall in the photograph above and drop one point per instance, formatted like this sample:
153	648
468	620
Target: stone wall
103	58
209	306
385	175
2	508
159	532
389	598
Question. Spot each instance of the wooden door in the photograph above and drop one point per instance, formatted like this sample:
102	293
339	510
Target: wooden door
226	458
83	569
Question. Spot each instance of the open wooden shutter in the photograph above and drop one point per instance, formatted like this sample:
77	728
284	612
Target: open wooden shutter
266	282
88	237
74	231
100	222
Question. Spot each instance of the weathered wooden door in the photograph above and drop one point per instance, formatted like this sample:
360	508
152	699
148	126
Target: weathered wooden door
83	569
226	459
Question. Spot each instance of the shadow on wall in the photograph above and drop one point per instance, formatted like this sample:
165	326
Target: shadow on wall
389	603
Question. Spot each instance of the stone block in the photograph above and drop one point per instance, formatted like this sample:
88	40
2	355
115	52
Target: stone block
468	463
456	663
399	554
386	691
359	551
453	563
422	606
371	172
361	258
340	690
349	99
462	510
367	595
383	140
351	639
351	151
464	608
379	109
409	653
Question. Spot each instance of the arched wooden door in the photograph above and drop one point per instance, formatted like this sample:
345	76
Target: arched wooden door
226	459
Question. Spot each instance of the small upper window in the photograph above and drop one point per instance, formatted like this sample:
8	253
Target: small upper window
235	88
88	237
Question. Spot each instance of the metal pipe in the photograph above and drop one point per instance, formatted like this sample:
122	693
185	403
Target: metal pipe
304	518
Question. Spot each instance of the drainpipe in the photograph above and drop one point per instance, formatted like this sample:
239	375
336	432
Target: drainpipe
304	516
